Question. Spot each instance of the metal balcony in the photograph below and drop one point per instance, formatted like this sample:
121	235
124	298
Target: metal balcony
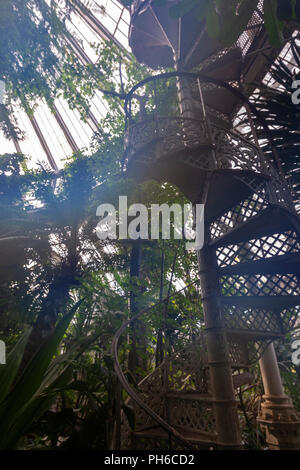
175	133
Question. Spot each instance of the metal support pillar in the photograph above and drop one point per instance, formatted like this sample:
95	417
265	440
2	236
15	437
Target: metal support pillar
277	417
225	405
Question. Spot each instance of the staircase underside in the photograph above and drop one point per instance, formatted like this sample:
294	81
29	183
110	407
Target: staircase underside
256	240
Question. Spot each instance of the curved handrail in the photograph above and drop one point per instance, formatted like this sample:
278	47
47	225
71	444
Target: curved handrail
193	75
213	81
121	376
233	133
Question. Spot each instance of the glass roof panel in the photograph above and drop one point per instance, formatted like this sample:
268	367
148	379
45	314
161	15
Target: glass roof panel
113	24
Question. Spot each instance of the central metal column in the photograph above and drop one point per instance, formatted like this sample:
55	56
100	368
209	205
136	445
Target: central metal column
221	382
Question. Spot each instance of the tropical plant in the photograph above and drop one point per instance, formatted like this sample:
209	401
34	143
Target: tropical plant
25	395
273	99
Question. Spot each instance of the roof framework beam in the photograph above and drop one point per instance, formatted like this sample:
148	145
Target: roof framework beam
96	25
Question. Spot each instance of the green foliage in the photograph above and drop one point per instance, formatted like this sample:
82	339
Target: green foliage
289	372
37	62
22	401
30	47
273	24
70	401
10	370
73	265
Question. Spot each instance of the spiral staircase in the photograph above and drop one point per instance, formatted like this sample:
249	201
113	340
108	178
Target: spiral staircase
178	391
249	266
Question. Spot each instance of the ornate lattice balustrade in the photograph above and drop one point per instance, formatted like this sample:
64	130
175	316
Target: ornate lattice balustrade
161	137
177	394
160	133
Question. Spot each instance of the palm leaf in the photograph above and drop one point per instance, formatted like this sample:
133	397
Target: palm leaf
19	401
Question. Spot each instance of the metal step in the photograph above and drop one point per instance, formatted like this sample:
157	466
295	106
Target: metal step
243	379
190	396
227	189
251	335
272	220
228	66
190	435
269	303
285	264
220	100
